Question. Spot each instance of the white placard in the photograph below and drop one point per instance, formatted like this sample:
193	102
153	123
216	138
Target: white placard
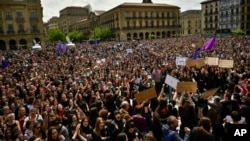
180	61
103	60
129	50
98	61
171	81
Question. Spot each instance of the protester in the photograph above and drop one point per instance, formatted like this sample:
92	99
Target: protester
54	88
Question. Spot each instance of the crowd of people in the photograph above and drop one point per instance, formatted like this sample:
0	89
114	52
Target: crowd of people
87	93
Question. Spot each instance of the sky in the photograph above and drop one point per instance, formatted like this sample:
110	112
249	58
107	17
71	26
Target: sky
52	7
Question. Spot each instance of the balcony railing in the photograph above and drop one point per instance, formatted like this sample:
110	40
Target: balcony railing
35	31
34	19
21	32
20	19
11	32
8	18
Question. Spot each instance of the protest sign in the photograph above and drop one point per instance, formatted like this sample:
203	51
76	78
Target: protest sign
197	62
180	61
129	51
186	86
171	81
145	95
226	63
209	93
212	61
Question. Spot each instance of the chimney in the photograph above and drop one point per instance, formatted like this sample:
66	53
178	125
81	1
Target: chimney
147	1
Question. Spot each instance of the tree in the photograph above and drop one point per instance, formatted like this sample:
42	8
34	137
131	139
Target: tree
76	36
55	35
238	32
102	33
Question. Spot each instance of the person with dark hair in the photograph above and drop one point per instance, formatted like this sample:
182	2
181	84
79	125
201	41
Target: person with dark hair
139	120
234	125
76	133
131	131
61	128
86	128
203	131
117	125
122	137
54	135
217	127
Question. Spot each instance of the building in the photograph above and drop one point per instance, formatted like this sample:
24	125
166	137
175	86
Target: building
229	14
53	23
245	16
137	21
210	16
190	22
71	15
20	23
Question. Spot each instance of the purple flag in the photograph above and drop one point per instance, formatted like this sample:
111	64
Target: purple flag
195	54
210	44
4	64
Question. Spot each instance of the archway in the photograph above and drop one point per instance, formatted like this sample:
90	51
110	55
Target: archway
152	35
173	33
2	45
168	34
163	34
23	44
158	35
146	35
128	36
12	44
135	36
141	36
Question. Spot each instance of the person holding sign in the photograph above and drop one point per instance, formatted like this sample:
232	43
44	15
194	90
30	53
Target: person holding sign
186	112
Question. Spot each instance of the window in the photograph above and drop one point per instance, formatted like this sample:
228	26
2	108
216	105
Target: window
8	15
34	28
21	27
134	23
134	14
140	22
128	25
146	23
140	14
163	23
127	14
19	15
152	23
32	14
10	27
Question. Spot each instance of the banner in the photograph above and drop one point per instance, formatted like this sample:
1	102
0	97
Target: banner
145	95
226	63
180	61
186	86
171	81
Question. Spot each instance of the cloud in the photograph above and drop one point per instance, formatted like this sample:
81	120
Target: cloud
52	7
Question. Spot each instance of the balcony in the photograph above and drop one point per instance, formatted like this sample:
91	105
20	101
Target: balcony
35	31
8	18
33	19
11	32
20	19
21	32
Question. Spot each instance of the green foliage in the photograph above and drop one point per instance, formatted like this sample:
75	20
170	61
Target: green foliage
76	36
238	32
102	33
55	35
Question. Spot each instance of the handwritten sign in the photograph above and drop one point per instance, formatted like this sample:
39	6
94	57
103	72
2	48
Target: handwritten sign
171	81
209	93
198	63
186	86
145	95
226	63
212	61
180	61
